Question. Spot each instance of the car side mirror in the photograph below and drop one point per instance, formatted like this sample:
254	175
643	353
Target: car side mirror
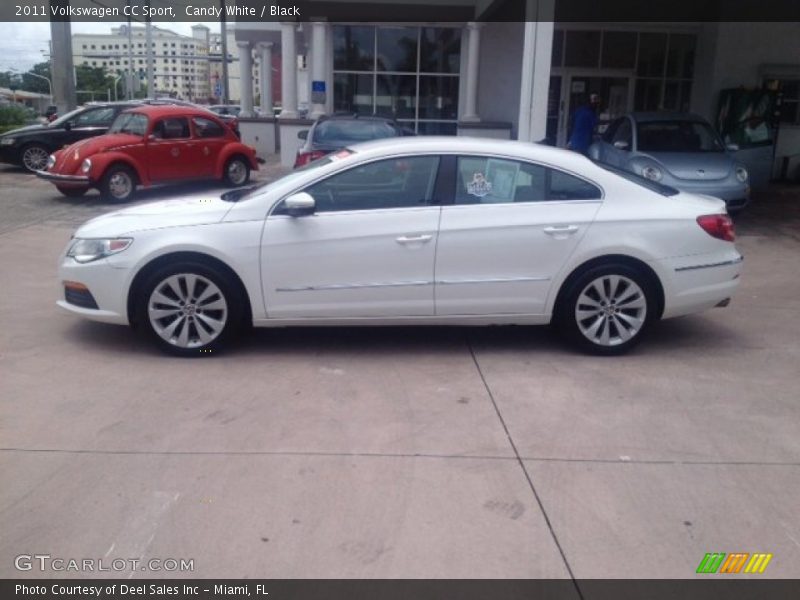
68	126
300	204
621	145
302	135
732	147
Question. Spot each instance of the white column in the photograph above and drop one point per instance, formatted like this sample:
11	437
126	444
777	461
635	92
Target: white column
288	71
473	60
535	77
245	78
265	75
318	65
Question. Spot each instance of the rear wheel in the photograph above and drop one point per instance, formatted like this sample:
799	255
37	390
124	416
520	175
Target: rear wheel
34	157
607	309
237	171
71	191
190	309
118	184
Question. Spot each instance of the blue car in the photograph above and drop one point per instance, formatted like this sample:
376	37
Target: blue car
681	150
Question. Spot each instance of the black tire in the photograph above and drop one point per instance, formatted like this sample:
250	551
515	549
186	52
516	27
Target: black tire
614	320
236	172
118	184
197	319
72	192
34	157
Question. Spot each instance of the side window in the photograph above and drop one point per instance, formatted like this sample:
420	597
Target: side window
172	128
393	183
484	180
624	133
97	117
568	187
206	128
608	136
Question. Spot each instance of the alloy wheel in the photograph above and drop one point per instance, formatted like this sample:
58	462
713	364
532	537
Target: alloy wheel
611	310
187	310
35	158
120	185
237	172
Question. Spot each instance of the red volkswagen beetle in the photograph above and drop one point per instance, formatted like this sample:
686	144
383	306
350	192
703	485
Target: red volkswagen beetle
148	145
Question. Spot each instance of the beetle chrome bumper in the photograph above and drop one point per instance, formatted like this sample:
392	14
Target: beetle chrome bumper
65	179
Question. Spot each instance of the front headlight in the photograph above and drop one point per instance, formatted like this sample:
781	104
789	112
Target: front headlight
87	250
741	174
51	161
7	141
86	165
652	173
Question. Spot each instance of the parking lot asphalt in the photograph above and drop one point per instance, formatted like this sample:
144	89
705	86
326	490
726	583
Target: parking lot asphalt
398	452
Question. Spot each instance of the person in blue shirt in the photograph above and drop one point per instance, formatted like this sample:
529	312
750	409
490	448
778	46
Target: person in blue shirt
584	120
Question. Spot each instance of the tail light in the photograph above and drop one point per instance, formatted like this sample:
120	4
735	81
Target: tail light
303	158
718	226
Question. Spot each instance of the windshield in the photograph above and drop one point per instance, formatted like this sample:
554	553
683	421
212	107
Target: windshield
61	120
677	136
132	123
651	185
254	190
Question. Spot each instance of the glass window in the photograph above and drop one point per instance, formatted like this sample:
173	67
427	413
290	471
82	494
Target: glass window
558	48
619	49
132	123
440	50
435	128
483	180
623	133
569	187
648	94
677	136
401	182
652	54
397	49
172	128
396	96
353	48
583	49
438	97
352	131
680	59
206	128
353	93
95	118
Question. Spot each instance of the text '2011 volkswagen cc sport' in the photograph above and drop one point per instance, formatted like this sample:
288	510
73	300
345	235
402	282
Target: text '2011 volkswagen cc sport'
411	231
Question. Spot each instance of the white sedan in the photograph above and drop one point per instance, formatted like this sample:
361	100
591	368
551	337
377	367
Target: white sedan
423	231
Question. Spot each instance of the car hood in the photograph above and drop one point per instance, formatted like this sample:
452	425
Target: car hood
197	209
24	130
70	158
695	166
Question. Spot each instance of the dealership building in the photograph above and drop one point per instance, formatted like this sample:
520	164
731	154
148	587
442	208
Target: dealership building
522	79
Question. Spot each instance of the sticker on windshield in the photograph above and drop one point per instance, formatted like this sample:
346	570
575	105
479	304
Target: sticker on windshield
479	186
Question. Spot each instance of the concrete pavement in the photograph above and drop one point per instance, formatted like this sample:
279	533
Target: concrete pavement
398	452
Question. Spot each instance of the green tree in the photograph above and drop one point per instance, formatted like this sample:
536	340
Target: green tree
35	84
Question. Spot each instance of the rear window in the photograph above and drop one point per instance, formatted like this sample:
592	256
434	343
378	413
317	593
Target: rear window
653	186
351	132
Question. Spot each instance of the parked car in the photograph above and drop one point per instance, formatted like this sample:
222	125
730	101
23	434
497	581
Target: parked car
677	149
30	146
425	231
151	144
226	109
330	133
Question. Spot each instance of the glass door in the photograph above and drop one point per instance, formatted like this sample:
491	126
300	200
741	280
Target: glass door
616	99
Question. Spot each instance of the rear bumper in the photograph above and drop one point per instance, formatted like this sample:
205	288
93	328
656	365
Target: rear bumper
697	283
65	180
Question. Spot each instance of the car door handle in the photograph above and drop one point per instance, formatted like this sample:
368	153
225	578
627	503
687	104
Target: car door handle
561	230
411	239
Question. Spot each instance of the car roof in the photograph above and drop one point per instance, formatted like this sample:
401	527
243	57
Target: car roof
355	117
645	117
166	110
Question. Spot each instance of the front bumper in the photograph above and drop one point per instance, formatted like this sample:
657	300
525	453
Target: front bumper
107	286
66	180
10	154
735	196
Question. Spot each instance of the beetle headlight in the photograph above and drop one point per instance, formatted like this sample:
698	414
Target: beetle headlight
652	173
87	250
741	174
86	165
51	161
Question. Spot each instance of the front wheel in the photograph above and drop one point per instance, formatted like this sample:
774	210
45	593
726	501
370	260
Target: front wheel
190	309
34	157
118	184
237	171
607	309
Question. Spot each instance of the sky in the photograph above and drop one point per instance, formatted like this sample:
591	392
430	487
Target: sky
22	45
